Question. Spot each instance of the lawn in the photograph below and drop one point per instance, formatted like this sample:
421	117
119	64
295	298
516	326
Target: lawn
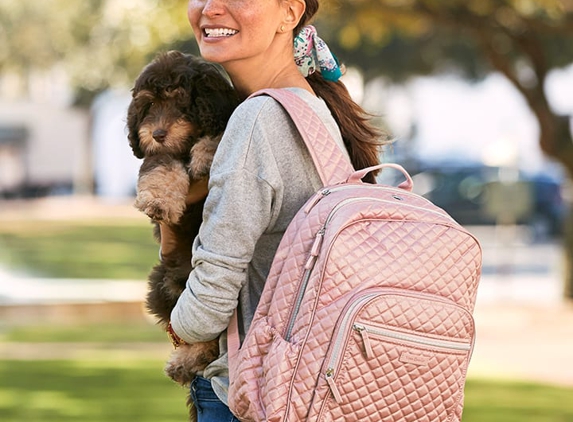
133	332
78	248
88	391
131	387
117	386
136	390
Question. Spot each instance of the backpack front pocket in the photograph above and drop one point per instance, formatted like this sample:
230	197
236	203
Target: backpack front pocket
409	351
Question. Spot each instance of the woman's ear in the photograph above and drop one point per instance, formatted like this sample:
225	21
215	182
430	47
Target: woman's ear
294	10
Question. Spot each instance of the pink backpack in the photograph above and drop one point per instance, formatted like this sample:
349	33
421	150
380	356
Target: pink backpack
367	311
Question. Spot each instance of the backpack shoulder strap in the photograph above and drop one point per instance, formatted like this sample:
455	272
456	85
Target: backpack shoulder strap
332	165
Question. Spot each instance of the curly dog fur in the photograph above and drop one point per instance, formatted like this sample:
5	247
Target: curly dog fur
179	109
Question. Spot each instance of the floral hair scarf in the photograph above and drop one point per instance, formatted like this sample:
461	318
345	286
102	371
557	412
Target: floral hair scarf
311	54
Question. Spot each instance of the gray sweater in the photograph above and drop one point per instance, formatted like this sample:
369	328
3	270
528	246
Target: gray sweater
261	175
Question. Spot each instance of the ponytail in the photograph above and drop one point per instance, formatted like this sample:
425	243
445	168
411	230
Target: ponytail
362	140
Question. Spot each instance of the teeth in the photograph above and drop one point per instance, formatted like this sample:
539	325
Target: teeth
219	32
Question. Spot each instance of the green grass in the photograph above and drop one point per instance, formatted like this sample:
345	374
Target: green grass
516	402
137	390
98	333
88	391
78	249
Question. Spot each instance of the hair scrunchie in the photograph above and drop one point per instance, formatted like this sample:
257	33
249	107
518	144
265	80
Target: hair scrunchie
311	54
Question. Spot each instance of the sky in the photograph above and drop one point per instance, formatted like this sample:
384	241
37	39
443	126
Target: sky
487	121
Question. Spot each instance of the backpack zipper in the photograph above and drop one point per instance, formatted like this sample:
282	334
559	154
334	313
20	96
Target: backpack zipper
309	266
327	191
416	207
306	276
364	330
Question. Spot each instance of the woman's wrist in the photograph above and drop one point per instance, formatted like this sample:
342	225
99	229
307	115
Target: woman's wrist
168	241
198	191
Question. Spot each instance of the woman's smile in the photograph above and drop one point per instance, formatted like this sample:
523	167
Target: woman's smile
218	32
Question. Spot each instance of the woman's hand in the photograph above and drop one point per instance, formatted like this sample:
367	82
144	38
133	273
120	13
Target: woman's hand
198	191
170	241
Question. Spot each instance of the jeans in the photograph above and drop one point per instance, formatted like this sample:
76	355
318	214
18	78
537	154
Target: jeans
209	407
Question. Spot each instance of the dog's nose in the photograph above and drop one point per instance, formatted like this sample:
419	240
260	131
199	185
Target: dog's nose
159	135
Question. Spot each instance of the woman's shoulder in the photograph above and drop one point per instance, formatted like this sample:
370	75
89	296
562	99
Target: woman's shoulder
261	107
265	109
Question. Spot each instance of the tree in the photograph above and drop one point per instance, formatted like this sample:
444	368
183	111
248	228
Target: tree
100	43
104	43
522	39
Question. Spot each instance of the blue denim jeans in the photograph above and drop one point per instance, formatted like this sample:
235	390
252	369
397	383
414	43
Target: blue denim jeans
209	407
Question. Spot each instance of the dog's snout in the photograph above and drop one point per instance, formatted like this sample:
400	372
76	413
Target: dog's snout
159	135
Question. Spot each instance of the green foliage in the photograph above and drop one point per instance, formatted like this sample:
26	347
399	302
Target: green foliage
399	38
79	249
100	43
103	43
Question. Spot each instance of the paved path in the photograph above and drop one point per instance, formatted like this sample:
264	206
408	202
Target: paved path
525	342
518	337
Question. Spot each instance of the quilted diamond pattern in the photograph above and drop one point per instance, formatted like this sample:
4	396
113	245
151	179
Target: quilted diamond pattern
388	260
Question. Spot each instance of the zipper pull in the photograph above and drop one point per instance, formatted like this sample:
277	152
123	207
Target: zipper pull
315	248
365	339
317	197
332	385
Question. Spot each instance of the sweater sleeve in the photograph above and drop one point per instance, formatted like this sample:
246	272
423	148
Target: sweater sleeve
239	208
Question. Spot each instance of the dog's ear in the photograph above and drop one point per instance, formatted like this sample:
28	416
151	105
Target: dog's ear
135	115
214	99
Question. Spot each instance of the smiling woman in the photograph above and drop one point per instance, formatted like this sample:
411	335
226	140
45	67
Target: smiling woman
262	172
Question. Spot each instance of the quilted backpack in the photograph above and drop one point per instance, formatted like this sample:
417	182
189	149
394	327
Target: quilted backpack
366	314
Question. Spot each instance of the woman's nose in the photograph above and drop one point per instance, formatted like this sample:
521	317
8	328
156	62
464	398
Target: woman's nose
210	8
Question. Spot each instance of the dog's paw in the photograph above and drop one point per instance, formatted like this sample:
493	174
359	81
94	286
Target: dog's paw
202	155
160	211
188	359
177	369
199	168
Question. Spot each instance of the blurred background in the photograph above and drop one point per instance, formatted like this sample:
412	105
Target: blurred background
476	94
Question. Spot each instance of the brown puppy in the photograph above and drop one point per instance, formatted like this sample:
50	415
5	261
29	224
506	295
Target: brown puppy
179	109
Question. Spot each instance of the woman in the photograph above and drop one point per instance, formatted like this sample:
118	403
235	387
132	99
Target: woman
262	173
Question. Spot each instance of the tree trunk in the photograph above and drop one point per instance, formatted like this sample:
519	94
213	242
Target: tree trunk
555	139
556	142
563	153
568	246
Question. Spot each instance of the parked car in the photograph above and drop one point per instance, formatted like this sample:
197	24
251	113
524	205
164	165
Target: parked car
466	192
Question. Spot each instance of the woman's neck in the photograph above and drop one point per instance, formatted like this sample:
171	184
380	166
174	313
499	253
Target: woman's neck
251	78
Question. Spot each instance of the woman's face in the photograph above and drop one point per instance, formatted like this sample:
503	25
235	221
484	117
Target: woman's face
235	30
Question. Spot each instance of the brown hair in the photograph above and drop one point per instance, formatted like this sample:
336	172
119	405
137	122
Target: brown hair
363	140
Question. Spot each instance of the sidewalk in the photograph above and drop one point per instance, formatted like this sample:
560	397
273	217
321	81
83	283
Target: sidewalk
524	342
524	331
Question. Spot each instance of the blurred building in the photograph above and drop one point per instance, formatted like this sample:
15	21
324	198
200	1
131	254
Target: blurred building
44	144
115	168
48	147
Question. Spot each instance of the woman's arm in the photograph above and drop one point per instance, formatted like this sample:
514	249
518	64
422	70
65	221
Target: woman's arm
198	190
240	207
237	212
